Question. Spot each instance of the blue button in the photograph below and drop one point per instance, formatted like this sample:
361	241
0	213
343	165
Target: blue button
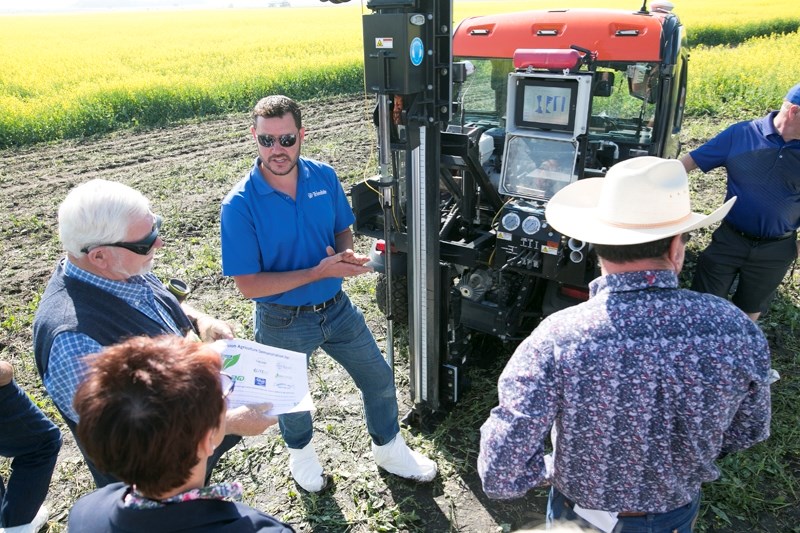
416	52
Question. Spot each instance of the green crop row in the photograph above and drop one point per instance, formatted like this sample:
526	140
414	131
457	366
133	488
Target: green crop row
733	34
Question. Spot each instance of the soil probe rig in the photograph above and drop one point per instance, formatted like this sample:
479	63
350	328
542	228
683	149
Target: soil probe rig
478	126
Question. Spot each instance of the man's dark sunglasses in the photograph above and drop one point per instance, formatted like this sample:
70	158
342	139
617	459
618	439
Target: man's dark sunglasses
286	140
141	247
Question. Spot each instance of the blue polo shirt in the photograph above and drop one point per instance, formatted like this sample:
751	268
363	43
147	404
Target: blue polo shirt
763	172
264	230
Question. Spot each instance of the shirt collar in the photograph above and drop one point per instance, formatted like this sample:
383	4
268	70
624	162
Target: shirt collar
634	281
261	185
126	290
228	491
767	125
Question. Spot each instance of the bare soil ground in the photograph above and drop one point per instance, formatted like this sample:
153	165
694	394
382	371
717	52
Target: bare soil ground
186	170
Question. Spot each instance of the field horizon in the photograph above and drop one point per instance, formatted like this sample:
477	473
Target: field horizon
100	72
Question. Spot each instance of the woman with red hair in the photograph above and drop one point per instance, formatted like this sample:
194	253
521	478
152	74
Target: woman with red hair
152	410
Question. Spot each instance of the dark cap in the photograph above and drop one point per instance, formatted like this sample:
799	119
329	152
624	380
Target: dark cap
793	95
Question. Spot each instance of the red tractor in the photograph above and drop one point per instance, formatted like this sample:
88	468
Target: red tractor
477	128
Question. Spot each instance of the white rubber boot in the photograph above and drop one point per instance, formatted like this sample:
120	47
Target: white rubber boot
306	469
398	459
38	523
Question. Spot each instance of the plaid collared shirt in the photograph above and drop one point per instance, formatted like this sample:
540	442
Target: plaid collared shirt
66	368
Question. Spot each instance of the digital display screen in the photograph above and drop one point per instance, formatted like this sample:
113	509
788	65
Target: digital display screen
548	105
537	167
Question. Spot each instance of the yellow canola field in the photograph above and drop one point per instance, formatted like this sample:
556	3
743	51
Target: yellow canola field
100	69
733	80
65	57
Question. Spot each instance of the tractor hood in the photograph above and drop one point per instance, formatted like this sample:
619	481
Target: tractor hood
616	35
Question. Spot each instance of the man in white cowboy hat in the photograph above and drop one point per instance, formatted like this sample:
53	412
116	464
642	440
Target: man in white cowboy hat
644	385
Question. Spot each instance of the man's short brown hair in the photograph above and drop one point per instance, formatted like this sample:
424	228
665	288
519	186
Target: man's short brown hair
145	406
633	252
276	106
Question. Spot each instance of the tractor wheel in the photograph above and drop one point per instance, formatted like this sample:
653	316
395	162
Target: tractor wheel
399	297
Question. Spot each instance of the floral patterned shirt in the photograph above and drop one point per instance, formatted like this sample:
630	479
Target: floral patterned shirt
644	386
219	491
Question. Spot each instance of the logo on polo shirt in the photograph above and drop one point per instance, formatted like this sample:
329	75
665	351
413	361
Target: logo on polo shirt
314	194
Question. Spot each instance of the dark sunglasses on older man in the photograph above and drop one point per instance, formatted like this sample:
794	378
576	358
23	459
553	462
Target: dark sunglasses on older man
286	140
141	247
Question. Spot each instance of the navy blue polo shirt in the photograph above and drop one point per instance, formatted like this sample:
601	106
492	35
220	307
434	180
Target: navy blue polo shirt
763	172
264	230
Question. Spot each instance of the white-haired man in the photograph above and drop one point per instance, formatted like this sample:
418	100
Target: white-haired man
103	291
644	385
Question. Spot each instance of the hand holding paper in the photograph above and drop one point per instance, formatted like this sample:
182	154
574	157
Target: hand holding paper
249	420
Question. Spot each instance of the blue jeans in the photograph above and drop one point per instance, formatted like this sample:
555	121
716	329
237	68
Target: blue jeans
33	441
342	332
680	520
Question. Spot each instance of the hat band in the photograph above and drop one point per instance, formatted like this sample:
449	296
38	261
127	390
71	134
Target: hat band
646	226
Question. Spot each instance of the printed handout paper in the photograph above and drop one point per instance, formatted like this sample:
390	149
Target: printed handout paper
265	374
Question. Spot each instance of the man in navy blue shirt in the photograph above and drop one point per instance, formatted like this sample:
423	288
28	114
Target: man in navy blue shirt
758	239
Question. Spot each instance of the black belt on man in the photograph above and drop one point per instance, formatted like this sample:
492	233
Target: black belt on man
755	238
311	308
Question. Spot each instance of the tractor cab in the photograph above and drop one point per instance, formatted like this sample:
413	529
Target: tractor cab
475	135
636	65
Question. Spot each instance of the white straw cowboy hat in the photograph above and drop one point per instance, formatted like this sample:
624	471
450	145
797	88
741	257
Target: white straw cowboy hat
640	200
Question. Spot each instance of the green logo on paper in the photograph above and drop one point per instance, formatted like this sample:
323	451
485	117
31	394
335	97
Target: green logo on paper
230	360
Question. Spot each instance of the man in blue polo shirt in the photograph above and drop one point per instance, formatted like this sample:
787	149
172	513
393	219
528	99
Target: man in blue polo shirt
287	243
758	238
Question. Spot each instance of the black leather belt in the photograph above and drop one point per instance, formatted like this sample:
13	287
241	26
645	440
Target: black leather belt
311	308
758	239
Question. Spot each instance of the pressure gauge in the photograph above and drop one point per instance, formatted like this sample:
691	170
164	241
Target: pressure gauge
511	221
531	225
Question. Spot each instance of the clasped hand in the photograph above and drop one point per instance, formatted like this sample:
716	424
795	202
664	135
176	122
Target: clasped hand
6	373
343	264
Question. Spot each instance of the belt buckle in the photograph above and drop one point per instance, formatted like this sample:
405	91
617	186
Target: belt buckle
324	305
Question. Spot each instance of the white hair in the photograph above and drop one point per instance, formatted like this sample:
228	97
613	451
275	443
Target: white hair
98	212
